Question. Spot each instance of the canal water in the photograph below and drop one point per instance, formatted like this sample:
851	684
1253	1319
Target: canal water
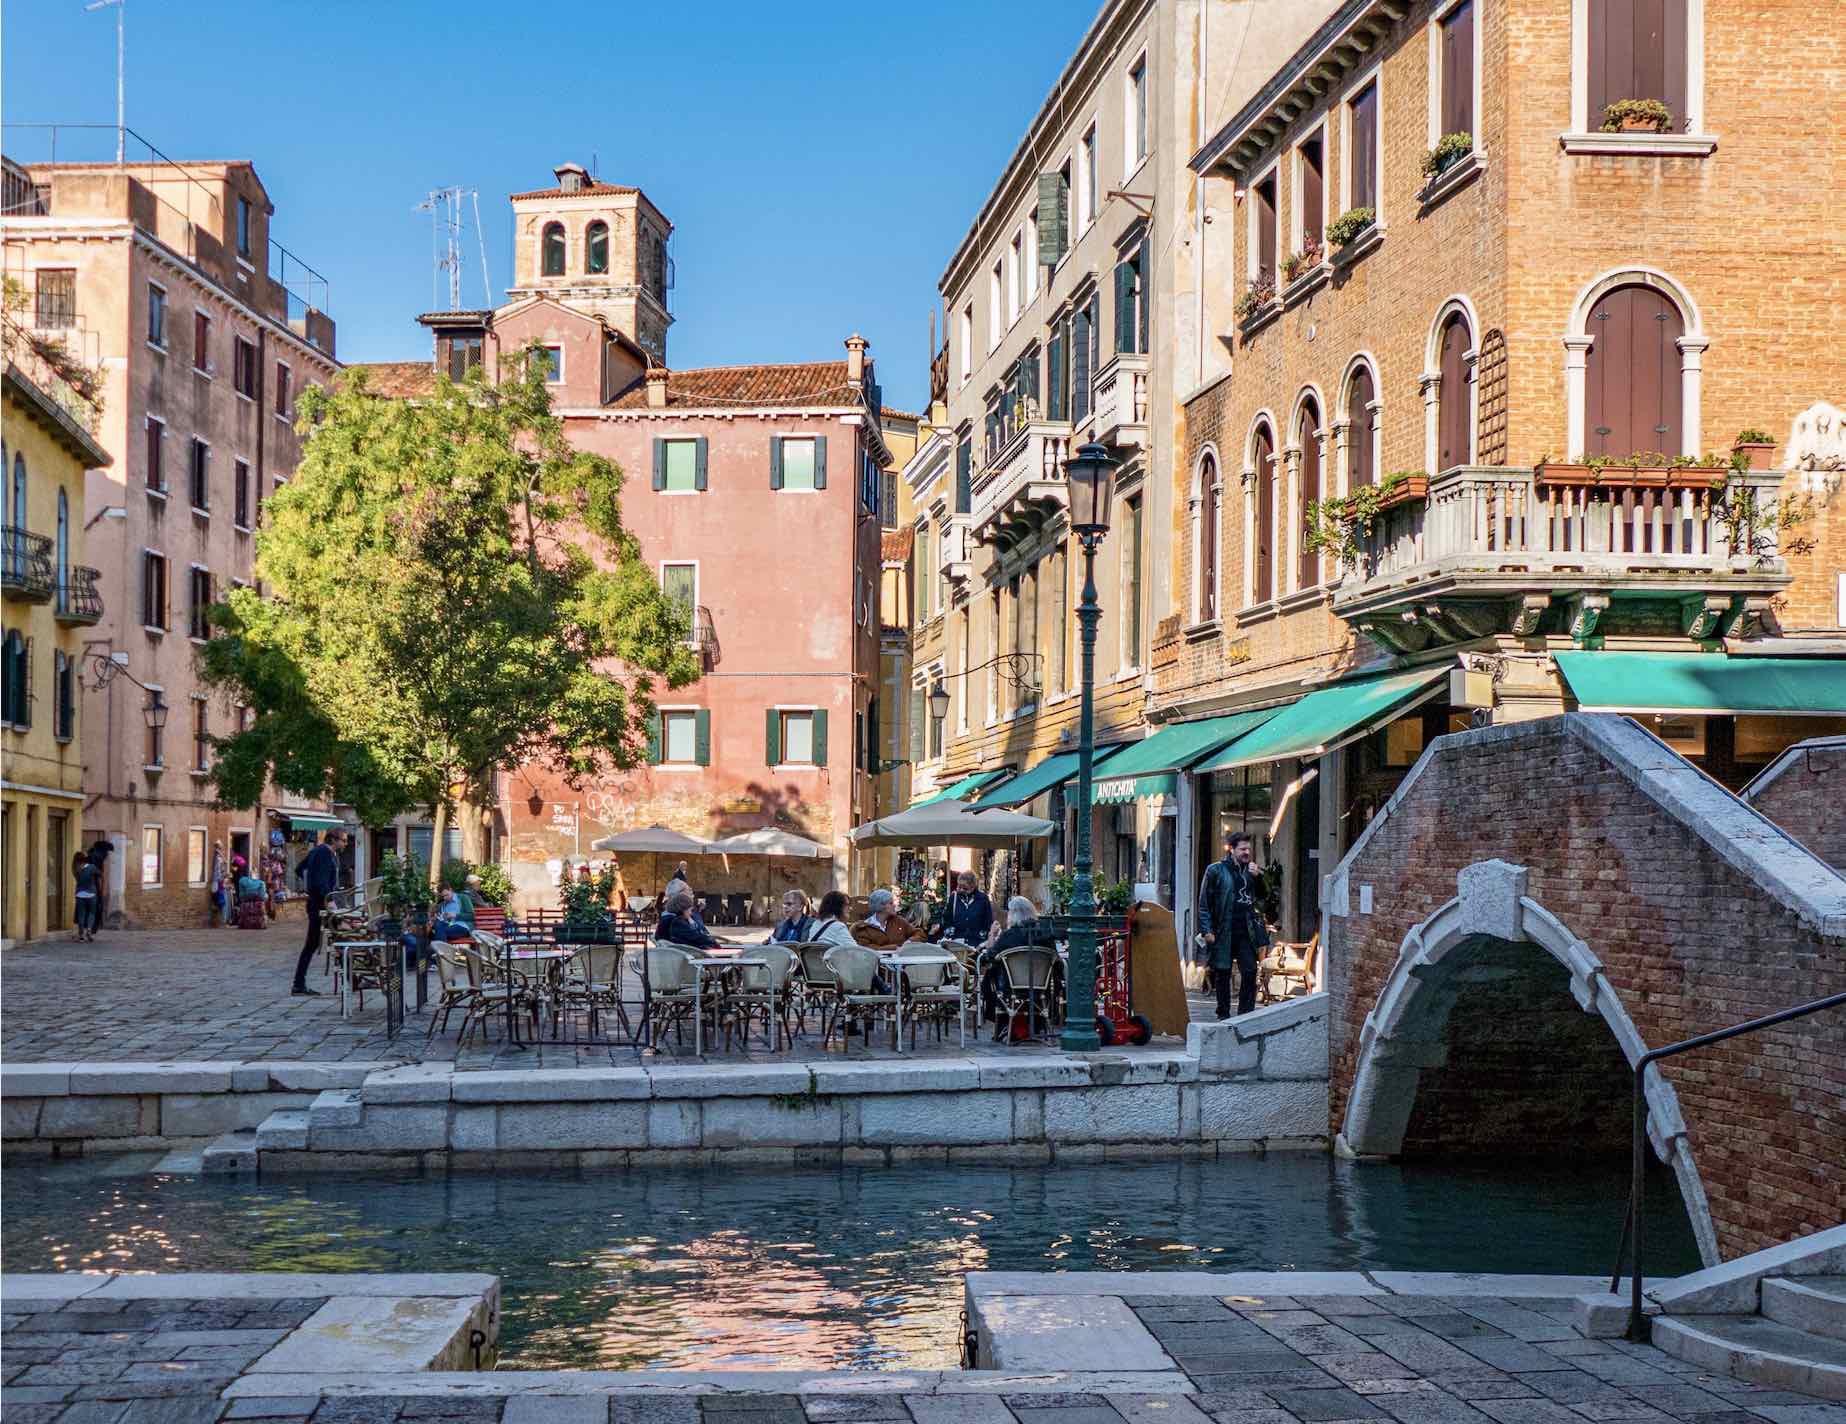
843	1269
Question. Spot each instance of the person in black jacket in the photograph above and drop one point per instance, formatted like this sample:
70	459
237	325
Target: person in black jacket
1231	924
99	857
680	926
319	874
969	916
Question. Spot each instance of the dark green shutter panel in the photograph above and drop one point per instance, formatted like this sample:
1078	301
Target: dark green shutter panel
772	737
917	713
653	732
1124	307
1051	236
775	462
701	740
1146	289
874	744
660	464
1054	392
698	478
964	475
820	462
820	739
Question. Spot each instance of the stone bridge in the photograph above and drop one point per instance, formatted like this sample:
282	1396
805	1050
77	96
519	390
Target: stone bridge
1540	904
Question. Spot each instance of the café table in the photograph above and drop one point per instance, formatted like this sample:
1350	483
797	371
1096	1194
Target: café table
548	960
895	960
700	965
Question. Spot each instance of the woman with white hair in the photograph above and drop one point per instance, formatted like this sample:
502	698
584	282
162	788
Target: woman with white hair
1022	930
883	927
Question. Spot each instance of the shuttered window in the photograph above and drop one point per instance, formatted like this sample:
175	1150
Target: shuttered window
201	474
1313	191
1456	74
1082	359
794	466
156	455
1637	50
918	711
1364	155
1265	197
153	590
1359	398
1208	540
1131	304
685	738
240	504
1632	382
680	583
1263	458
964	474
1307	435
1057	375
1454	418
679	465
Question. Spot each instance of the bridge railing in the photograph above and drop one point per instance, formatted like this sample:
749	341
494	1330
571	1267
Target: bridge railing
1631	1233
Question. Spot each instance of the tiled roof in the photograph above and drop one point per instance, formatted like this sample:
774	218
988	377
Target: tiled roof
586	190
805	383
401	380
896	544
892	413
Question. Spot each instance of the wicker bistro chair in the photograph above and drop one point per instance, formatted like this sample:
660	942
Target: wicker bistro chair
493	986
857	998
456	990
1029	975
818	987
1294	962
672	981
935	992
591	983
761	992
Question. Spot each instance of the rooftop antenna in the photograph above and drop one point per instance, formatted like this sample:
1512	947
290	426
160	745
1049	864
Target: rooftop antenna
121	107
487	287
444	207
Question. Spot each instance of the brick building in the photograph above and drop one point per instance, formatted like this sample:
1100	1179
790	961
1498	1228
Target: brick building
207	330
756	490
1521	348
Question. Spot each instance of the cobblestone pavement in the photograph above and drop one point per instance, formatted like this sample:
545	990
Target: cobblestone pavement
167	995
1312	1360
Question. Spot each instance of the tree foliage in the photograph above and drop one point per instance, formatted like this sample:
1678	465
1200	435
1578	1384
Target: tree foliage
449	590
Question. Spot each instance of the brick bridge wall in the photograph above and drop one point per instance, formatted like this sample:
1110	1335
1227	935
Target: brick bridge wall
1803	791
1702	914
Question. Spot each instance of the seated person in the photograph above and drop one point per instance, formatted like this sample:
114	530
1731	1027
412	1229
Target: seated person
829	924
883	928
796	925
1022	929
453	920
680	925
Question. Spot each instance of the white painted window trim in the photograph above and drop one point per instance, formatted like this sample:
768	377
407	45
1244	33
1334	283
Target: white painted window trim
1341	425
1692	346
810	437
557	346
996	294
1431	380
1202	494
693	441
1298	189
1251	246
1089	170
1251	474
1374	75
967	342
688	708
160	829
1296	503
697	581
1434	86
1133	155
1031	282
1585	134
780	709
1014	258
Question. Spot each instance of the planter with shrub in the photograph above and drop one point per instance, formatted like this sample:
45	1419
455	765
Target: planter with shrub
1259	294
1753	450
1450	149
1349	225
1637	116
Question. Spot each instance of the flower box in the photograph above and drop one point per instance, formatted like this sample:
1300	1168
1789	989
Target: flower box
1408	491
1757	454
1670	477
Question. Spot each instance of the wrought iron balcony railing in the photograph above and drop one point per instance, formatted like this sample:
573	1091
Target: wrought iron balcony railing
25	565
78	599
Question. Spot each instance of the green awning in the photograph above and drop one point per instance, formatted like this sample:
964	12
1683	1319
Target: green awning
1052	771
1331	717
1173	749
966	787
1709	683
1120	791
302	821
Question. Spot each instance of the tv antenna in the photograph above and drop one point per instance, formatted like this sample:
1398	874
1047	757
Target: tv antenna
121	92
444	205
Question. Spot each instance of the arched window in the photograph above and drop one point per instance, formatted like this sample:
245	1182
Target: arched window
1454	396
1632	374
64	550
1361	396
19	491
596	248
1263	464
1209	497
1307	437
553	247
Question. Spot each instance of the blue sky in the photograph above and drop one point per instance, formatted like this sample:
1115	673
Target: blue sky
819	163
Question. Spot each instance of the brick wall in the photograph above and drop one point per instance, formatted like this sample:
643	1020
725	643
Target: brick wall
1700	921
1802	791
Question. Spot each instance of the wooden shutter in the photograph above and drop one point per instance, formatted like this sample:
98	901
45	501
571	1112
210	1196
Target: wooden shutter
1124	306
660	463
1051	218
147	591
820	738
1265	515
1358	410
1637	50
1453	417
700	447
1080	364
1144	291
701	736
1364	157
775	462
1056	405
820	462
1313	204
1458	69
772	737
1208	541
873	735
1307	571
1266	227
918	711
1632	385
653	739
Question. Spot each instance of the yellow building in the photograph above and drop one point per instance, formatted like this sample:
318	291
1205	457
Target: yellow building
50	601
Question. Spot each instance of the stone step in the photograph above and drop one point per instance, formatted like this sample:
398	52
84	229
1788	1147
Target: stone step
285	1130
234	1152
1762	1351
337	1107
1816	1304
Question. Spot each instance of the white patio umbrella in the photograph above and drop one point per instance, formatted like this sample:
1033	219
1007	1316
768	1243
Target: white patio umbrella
950	823
767	840
656	840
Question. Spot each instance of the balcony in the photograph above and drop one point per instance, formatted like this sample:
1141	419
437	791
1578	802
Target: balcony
78	600
1121	402
1022	486
1524	553
957	551
25	565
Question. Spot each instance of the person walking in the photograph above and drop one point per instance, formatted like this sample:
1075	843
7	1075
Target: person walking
970	915
1231	925
319	874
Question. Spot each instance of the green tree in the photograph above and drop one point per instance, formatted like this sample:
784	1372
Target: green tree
450	591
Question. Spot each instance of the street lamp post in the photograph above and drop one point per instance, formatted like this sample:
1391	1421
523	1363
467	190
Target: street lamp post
1091	476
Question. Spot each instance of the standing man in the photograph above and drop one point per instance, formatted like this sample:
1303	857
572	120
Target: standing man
970	917
319	875
99	857
1231	925
678	885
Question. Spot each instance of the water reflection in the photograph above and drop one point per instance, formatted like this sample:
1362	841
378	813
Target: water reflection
854	1269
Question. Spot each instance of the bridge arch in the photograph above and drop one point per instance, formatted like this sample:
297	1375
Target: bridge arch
1493	931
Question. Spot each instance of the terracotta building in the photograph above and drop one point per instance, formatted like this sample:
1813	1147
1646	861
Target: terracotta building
167	275
1518	333
756	490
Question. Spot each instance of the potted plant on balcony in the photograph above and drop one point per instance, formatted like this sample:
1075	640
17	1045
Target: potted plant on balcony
1337	525
1637	116
1450	149
1259	294
1349	225
585	904
1753	448
1298	264
1755	527
405	892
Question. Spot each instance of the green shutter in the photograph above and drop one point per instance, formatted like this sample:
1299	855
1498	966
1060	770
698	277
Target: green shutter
874	738
820	738
1051	236
653	732
698	475
917	712
1124	307
775	462
660	464
1145	283
772	737
701	738
820	462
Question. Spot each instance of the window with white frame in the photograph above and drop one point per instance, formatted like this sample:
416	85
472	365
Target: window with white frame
996	295
679	737
1209	492
797	738
1637	50
1135	137
1454	71
1310	219
680	466
1087	198
1031	273
153	855
967	341
1362	173
157	315
195	855
680	583
798	466
1261	239
1016	276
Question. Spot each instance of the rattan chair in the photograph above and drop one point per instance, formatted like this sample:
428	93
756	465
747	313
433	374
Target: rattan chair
818	986
1029	974
857	999
762	991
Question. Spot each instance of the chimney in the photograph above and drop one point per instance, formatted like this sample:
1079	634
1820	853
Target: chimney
657	387
572	177
855	359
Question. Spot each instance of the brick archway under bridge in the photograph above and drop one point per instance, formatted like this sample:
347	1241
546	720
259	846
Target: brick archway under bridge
1577	870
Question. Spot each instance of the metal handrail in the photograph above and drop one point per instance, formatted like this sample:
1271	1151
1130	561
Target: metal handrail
1637	1322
